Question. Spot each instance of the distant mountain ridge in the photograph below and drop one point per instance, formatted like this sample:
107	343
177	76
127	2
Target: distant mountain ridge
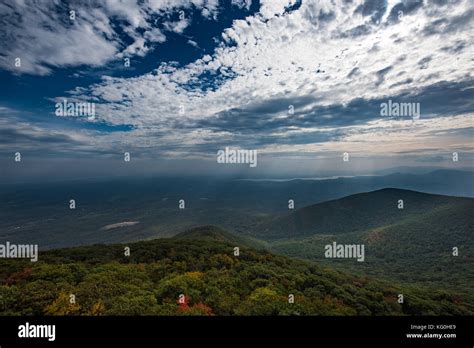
40	214
354	213
429	241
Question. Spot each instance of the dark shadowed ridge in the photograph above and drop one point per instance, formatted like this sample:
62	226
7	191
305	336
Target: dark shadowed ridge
355	213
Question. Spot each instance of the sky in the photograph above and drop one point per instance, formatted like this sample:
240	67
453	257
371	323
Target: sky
300	82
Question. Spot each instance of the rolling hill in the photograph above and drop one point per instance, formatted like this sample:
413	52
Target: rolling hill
413	245
193	274
355	213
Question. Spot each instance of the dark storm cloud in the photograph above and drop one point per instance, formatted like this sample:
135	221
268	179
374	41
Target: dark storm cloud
442	99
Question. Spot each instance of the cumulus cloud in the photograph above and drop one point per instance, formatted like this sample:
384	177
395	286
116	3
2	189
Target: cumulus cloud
48	34
333	62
